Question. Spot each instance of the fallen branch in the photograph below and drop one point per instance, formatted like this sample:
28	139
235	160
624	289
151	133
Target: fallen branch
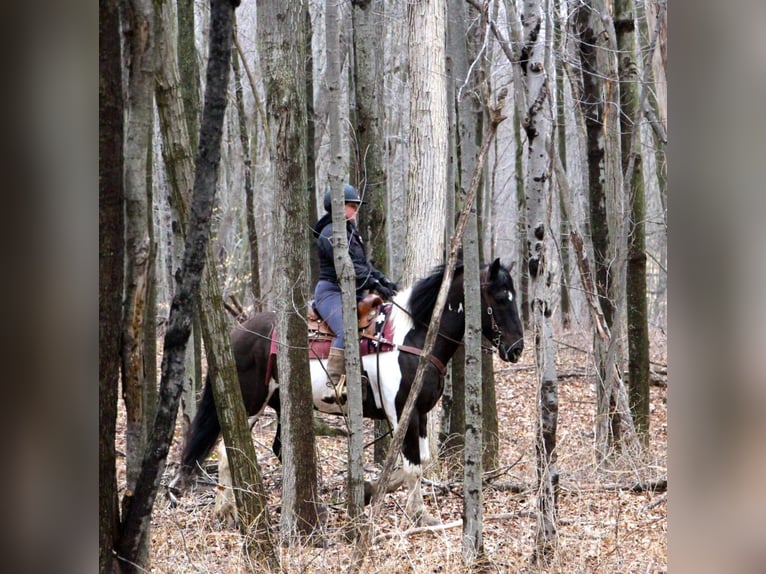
448	525
660	485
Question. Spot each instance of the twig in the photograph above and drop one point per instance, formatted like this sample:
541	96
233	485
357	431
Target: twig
656	502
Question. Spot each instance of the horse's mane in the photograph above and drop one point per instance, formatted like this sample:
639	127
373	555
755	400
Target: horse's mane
424	293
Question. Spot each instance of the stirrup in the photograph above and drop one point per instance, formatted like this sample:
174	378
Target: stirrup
335	394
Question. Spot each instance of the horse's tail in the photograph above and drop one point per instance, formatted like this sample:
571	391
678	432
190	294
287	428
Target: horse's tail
203	432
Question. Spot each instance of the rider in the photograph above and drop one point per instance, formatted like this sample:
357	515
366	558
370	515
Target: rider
327	293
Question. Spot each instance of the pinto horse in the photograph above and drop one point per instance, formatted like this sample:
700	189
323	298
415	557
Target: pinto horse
388	372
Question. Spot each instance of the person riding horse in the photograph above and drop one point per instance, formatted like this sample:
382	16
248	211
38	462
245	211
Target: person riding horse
327	294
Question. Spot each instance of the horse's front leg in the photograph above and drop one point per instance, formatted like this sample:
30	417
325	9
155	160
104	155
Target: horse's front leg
414	441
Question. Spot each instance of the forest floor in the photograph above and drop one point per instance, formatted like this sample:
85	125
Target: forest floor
604	525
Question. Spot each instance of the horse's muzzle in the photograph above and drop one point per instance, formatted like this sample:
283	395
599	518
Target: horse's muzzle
511	353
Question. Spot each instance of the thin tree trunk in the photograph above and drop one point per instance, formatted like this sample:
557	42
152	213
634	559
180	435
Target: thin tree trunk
345	271
111	228
561	138
541	273
244	139
189	85
139	507
139	33
495	117
371	176
283	63
630	116
473	498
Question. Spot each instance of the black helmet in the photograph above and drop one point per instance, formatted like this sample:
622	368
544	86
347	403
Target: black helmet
350	195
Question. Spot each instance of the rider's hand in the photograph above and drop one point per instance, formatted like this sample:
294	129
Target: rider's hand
386	282
383	291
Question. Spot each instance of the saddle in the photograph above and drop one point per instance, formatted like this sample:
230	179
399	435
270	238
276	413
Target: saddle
367	310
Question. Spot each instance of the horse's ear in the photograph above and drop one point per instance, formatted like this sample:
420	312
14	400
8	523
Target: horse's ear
494	268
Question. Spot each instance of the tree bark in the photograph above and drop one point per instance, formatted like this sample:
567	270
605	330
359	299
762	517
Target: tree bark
283	62
417	384
427	173
111	228
630	126
371	176
139	42
541	273
139	506
473	498
345	272
244	140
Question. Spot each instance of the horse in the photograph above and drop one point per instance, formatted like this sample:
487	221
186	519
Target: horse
388	371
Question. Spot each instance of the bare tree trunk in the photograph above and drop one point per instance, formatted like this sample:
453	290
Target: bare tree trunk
139	32
417	384
283	62
345	272
189	84
213	326
473	496
138	508
368	85
111	228
427	174
561	142
630	125
371	177
541	273
244	139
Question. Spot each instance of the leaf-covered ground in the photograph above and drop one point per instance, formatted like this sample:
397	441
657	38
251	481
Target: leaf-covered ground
604	526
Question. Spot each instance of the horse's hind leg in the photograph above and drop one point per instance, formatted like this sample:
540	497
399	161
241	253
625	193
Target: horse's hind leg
225	504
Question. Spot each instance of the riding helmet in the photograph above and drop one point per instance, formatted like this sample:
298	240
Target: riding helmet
350	195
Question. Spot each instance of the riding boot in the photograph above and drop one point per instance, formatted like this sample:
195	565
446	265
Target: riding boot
334	391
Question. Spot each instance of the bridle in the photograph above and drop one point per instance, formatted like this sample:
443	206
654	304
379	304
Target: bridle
497	333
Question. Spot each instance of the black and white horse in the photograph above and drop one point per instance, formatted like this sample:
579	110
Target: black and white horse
388	368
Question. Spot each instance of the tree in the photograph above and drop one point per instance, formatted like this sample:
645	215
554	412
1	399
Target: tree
139	505
367	19
110	273
541	272
139	58
427	173
630	128
344	269
284	70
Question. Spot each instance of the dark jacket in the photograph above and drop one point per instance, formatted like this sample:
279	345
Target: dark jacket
367	276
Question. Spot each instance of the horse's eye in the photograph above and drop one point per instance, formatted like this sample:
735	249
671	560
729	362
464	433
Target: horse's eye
510	296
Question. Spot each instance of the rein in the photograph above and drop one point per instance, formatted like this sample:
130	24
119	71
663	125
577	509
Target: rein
484	349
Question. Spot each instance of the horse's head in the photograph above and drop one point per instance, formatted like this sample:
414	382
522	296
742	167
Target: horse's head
500	321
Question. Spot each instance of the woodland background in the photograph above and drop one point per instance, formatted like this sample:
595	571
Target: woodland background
396	98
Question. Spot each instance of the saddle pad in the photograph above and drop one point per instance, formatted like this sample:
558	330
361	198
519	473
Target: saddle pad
383	333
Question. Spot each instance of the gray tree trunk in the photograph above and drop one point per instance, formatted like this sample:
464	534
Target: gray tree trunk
283	64
345	271
630	122
111	228
541	273
139	42
244	140
138	507
371	176
427	173
190	85
473	496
